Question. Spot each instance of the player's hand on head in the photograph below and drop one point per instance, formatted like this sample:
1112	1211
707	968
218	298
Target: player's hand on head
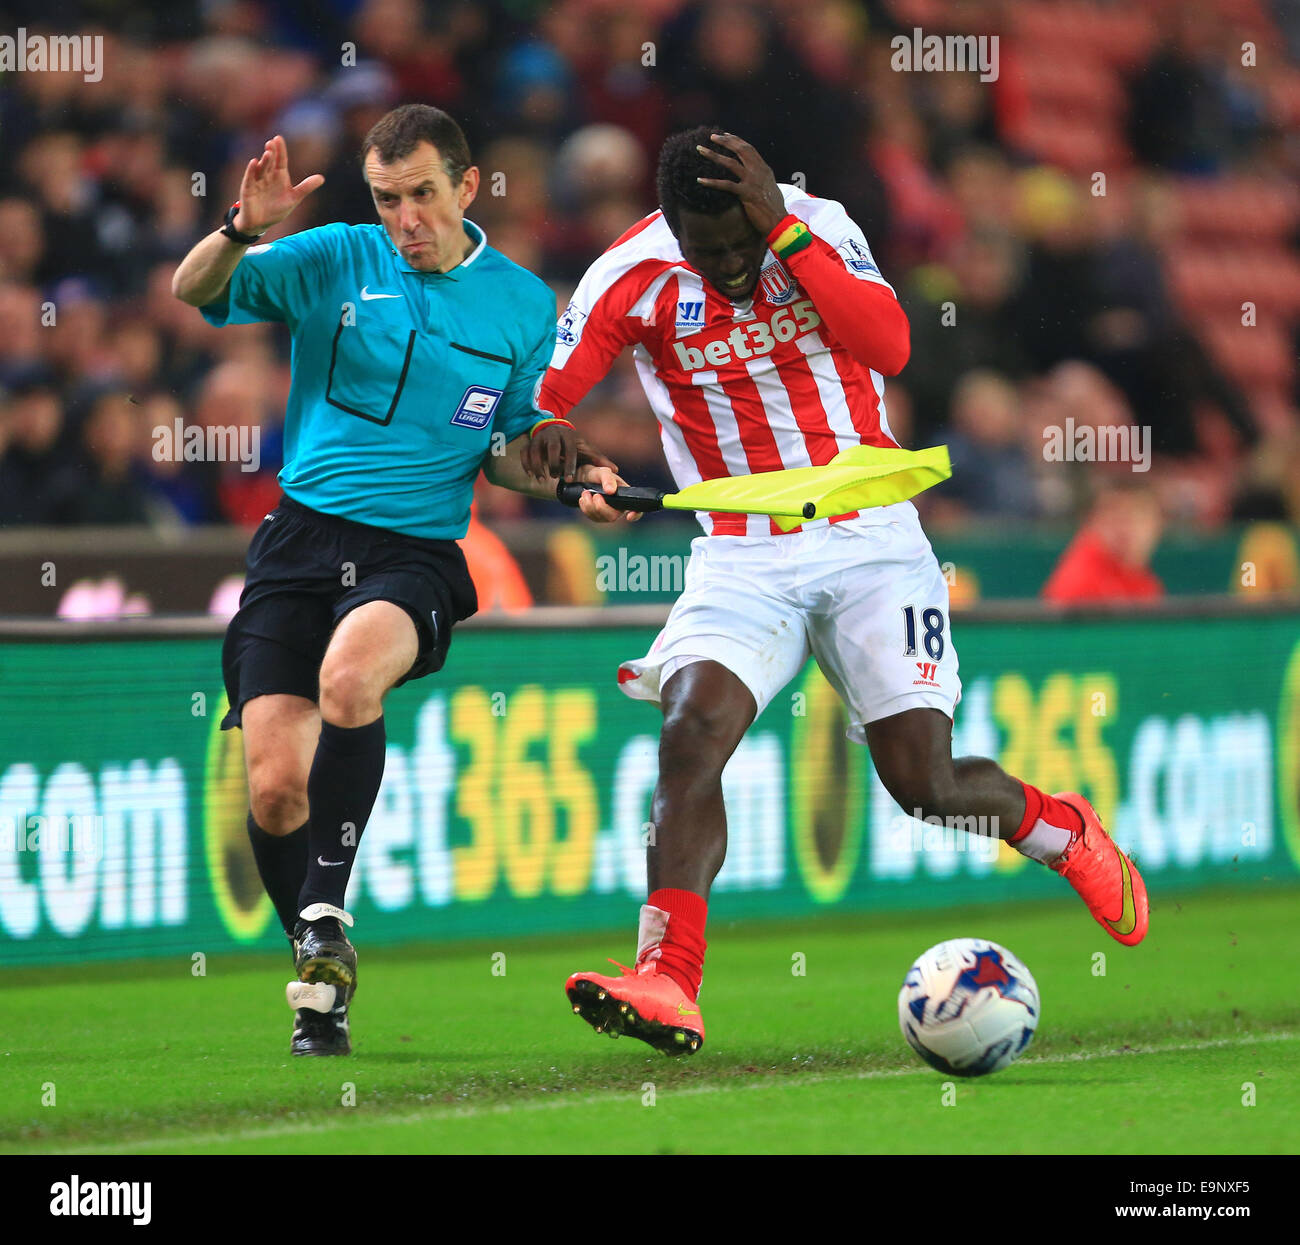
756	188
267	193
593	505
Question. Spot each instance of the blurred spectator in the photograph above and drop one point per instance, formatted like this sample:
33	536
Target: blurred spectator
961	319
596	176
957	113
420	58
110	488
492	503
21	346
926	220
179	491
1267	560
1191	106
1059	293
52	168
234	400
1109	559
136	353
513	202
177	221
990	467
1286	13
900	415
730	64
35	473
619	88
1058	408
967	192
359	96
77	346
535	90
981	183
22	240
1101	297
1139	338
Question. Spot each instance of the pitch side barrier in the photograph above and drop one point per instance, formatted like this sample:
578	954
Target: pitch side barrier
197	570
516	797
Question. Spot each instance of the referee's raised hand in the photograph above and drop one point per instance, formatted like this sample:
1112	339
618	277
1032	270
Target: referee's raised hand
267	193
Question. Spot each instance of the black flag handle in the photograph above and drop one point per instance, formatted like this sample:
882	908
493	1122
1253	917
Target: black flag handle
624	498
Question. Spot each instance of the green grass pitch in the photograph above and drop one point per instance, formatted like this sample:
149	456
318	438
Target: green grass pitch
1158	1055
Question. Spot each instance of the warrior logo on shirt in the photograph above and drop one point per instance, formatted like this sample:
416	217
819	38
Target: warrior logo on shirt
690	316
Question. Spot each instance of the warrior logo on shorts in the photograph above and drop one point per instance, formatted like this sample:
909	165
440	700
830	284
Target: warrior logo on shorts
927	670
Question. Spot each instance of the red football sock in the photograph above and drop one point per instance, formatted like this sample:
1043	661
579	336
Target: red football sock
1041	806
1057	824
681	946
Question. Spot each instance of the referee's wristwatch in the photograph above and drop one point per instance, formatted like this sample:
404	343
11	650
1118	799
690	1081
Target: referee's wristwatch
244	239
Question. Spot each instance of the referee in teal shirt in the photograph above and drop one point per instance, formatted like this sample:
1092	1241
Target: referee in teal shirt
418	351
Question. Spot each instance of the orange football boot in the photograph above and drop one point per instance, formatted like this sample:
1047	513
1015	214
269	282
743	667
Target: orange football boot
1106	879
643	1003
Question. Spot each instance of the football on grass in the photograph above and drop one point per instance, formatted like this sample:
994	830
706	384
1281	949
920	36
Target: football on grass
968	1007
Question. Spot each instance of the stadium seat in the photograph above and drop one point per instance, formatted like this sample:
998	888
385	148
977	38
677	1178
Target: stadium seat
1071	142
1284	99
1260	356
1240	208
1062	32
1222	278
1086	85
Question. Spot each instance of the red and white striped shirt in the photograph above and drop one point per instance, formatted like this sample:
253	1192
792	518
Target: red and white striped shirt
787	379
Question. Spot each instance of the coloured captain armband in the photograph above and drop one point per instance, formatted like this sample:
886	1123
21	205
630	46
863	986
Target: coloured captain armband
544	423
792	240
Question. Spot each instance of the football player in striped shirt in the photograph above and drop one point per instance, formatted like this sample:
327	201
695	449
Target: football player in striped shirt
762	331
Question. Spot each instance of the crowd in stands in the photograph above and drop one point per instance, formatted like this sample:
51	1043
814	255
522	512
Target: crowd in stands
1036	294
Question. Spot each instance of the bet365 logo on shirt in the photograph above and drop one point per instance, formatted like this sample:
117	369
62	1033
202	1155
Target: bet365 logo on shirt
748	341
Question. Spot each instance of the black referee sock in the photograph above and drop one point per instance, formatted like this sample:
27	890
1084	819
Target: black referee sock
282	862
341	790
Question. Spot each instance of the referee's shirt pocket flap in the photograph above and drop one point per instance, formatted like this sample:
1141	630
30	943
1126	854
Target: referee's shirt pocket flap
370	362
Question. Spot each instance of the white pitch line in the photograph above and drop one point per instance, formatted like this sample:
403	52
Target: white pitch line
565	1099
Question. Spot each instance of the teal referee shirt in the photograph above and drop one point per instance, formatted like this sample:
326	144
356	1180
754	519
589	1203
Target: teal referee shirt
401	378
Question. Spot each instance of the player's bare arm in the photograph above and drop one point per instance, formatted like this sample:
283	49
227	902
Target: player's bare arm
534	465
267	195
554	452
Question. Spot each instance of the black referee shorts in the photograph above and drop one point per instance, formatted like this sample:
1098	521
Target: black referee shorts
306	570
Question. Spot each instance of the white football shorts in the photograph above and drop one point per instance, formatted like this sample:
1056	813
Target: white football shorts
865	597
